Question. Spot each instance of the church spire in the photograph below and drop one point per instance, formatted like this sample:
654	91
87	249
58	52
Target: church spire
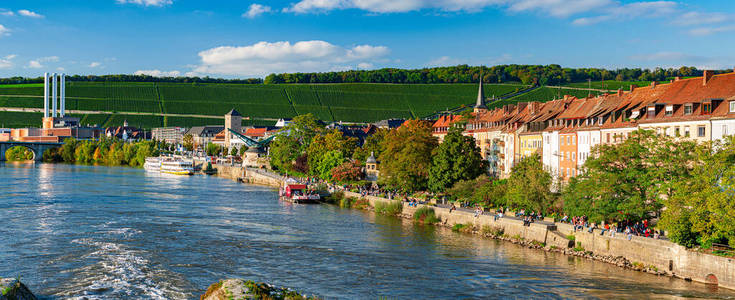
480	104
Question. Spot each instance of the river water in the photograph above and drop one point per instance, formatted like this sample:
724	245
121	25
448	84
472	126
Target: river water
121	233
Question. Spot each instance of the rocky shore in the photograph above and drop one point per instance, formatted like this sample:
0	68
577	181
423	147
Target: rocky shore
13	289
236	289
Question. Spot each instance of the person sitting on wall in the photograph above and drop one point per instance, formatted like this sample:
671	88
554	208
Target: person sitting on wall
565	219
452	208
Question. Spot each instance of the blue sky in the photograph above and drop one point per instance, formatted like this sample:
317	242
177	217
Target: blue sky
254	38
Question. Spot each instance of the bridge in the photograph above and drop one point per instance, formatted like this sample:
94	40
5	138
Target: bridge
38	148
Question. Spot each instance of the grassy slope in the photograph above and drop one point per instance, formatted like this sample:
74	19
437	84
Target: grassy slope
542	94
345	102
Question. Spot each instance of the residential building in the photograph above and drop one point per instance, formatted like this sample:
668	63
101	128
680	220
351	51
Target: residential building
171	135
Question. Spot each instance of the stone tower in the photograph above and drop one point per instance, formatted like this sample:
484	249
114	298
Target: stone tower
480	104
233	120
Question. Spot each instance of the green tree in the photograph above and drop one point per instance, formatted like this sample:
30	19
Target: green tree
67	150
333	140
457	158
284	152
701	209
233	151
329	161
372	144
213	149
406	157
243	148
188	142
529	186
626	181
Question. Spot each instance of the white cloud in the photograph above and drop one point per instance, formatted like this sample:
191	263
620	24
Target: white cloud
34	64
631	11
264	57
4	31
60	69
30	14
710	30
94	64
7	13
39	63
158	73
256	10
559	8
699	18
390	6
146	2
443	62
365	66
7	61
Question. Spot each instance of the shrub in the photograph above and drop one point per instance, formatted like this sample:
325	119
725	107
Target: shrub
334	198
492	230
360	203
571	237
425	215
347	202
579	247
465	228
392	208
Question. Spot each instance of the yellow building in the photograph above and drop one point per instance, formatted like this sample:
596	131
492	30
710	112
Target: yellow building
530	143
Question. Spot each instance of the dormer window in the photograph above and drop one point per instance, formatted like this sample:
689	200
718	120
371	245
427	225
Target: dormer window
599	120
669	110
732	106
688	109
651	112
706	108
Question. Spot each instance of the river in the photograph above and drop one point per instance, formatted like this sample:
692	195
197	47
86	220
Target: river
122	233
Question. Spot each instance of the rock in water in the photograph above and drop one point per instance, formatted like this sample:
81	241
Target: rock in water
238	289
13	289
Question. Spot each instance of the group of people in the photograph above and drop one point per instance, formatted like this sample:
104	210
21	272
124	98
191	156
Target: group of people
629	228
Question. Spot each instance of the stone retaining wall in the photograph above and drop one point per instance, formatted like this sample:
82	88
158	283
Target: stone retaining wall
661	254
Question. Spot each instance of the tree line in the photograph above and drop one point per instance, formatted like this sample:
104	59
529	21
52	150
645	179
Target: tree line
105	151
527	74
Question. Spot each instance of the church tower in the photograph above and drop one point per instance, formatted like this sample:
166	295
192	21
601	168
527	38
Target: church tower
480	104
233	120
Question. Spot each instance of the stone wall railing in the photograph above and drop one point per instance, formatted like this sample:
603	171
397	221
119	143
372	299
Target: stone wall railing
662	254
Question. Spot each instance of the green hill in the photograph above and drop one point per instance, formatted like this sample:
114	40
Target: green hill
361	102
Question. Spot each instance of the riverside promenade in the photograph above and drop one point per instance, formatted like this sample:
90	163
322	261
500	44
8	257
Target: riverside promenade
655	254
648	253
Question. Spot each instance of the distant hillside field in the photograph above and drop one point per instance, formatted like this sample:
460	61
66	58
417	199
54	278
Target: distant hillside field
361	102
543	94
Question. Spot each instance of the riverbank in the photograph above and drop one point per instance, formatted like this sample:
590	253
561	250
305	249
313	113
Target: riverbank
650	255
659	257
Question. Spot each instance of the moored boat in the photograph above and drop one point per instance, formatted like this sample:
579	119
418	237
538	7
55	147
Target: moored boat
298	193
152	164
177	166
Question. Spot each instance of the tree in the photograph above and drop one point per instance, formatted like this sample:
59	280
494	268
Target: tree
349	171
457	158
243	148
283	152
372	144
626	181
233	151
67	150
213	149
701	210
406	156
333	140
188	142
529	186
329	161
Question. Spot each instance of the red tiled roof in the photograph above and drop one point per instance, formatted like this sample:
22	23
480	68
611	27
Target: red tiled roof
446	121
256	132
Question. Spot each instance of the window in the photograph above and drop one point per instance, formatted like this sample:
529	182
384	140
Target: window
651	112
669	110
706	108
574	156
732	106
574	140
562	141
688	109
724	129
701	130
686	131
676	132
608	138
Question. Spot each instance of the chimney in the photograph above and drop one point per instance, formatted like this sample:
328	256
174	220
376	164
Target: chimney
45	95
63	94
707	75
54	87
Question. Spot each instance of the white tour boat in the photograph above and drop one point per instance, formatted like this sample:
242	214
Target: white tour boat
177	166
152	164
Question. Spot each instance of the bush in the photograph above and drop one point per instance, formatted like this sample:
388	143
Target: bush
680	232
334	198
492	230
579	247
347	202
392	208
425	215
360	203
571	237
465	228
